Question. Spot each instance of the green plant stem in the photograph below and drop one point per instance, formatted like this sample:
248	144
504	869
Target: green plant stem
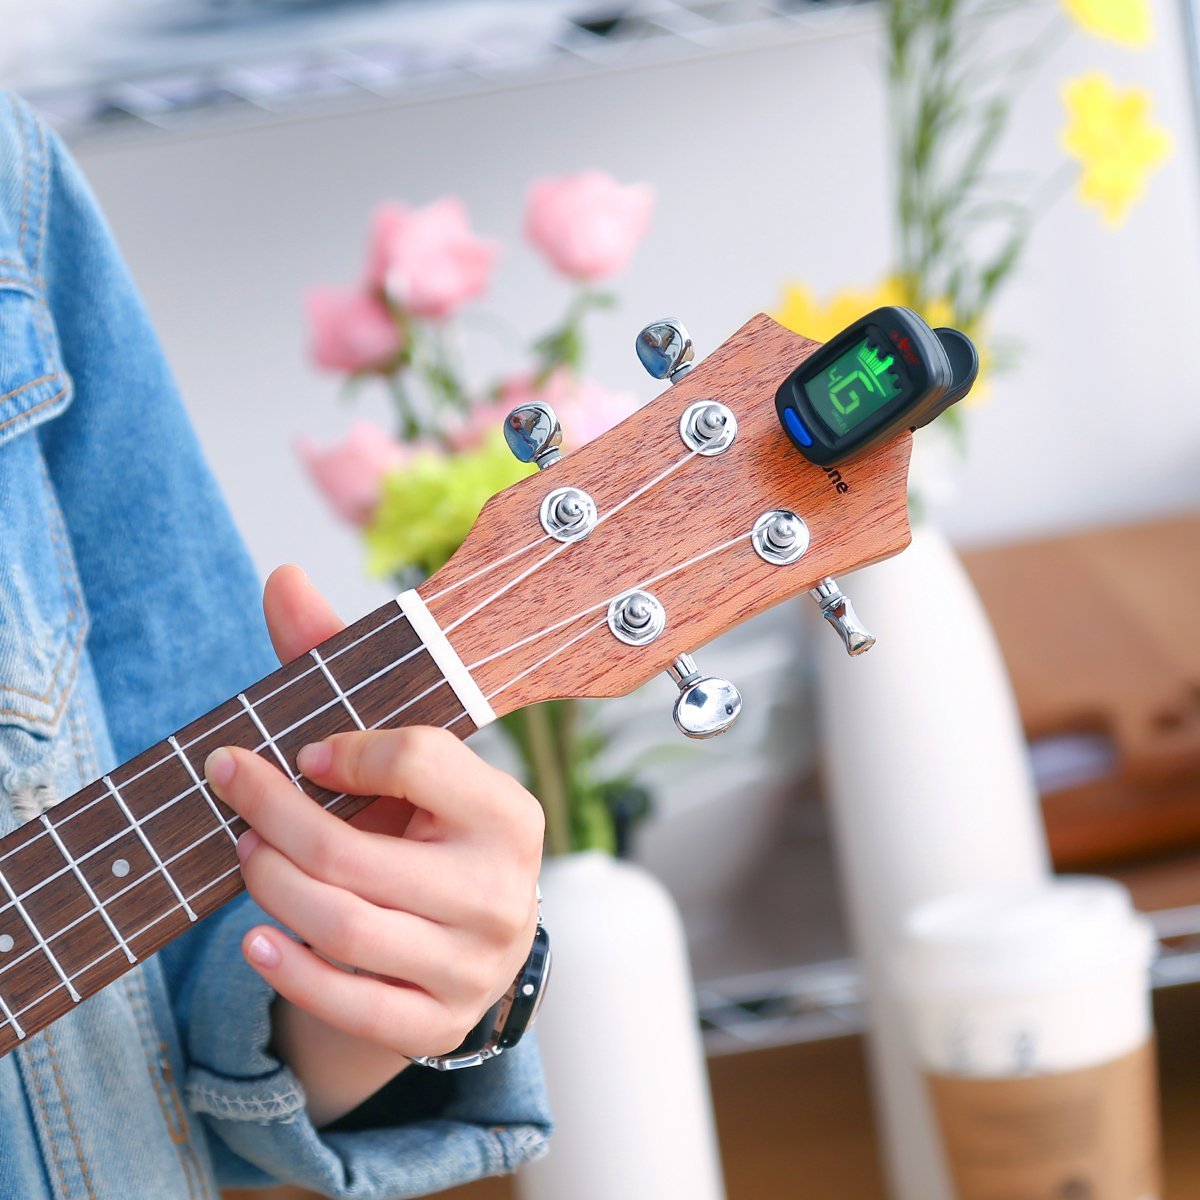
410	425
961	231
548	780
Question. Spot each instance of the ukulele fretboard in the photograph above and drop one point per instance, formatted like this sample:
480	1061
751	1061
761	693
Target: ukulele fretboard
133	860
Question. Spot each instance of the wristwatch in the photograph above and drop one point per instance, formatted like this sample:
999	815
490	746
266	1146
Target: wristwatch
504	1024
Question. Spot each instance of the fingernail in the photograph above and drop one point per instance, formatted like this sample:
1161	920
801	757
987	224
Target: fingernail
314	759
247	844
219	767
262	952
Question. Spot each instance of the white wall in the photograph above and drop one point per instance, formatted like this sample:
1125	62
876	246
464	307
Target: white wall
768	164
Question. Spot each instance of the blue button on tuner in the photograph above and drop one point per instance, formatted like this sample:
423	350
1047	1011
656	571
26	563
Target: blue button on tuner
791	418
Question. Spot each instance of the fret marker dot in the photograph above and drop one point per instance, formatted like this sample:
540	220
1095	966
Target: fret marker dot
6	943
120	868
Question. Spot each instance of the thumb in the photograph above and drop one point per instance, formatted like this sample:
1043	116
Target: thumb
298	616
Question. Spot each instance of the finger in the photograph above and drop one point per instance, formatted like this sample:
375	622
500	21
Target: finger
298	617
395	872
447	963
433	770
405	1019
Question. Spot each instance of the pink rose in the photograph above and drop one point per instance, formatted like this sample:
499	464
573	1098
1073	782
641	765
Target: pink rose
585	409
428	260
587	225
351	471
351	330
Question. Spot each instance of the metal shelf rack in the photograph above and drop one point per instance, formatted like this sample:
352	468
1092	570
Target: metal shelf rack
267	59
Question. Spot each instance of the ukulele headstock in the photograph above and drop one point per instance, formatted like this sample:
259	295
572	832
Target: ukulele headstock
686	519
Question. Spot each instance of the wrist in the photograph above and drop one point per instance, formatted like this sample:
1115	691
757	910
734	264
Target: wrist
337	1070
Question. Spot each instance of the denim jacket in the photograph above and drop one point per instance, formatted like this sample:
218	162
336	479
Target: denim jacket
127	608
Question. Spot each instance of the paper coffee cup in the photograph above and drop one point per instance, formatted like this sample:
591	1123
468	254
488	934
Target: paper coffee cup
1029	1012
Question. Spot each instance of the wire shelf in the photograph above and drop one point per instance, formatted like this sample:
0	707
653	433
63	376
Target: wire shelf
302	59
825	1000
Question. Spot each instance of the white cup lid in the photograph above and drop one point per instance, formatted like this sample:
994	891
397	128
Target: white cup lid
1023	939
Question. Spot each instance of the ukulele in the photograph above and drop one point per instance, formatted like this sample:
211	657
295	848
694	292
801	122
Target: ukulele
583	580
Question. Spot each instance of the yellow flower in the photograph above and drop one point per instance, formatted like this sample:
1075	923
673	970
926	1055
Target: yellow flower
1109	131
1126	22
802	313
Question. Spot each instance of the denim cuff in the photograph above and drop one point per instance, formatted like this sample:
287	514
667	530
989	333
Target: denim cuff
485	1121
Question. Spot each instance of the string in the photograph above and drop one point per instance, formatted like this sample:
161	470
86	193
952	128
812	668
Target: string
612	512
583	612
225	826
138	822
261	700
437	595
542	661
316	712
486	570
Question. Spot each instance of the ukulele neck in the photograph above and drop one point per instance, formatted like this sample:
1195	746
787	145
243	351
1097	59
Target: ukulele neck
113	873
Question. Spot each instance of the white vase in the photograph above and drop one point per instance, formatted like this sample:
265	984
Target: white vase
621	1046
930	792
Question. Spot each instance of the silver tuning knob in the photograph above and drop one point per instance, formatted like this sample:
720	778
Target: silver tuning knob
534	435
706	705
666	350
839	612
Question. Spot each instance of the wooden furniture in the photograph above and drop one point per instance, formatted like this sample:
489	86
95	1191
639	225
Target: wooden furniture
1101	634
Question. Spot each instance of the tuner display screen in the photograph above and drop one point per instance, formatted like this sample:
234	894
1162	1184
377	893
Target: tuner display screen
855	385
886	373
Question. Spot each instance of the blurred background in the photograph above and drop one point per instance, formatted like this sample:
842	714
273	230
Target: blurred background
239	148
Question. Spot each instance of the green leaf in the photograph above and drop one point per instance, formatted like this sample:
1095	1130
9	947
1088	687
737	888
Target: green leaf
428	508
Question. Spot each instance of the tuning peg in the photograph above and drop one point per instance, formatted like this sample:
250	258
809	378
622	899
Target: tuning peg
534	435
706	705
666	350
839	612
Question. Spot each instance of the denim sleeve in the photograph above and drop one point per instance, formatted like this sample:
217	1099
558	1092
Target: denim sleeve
177	628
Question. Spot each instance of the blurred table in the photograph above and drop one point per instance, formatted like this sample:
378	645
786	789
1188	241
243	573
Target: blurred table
795	1121
1100	631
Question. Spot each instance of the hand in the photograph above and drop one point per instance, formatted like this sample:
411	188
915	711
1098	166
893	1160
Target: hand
429	895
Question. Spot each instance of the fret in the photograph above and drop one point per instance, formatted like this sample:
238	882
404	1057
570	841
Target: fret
171	804
191	770
333	683
10	1019
112	857
317	714
51	901
37	937
51	993
141	833
24	971
87	887
288	770
305	710
397	671
131	887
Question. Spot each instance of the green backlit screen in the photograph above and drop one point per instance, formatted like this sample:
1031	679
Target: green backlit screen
857	384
